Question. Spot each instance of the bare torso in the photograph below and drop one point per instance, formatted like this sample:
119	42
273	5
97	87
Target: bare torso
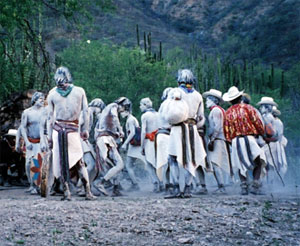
150	121
67	108
109	120
31	120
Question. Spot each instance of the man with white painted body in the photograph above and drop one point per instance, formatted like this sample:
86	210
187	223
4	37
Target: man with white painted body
280	156
32	129
130	144
218	150
162	144
272	136
186	148
149	119
95	108
107	133
65	104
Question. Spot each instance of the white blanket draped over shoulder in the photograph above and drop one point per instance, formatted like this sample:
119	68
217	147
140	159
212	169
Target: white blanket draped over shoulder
277	157
179	109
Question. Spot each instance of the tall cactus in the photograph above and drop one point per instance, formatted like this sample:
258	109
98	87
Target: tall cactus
149	44
262	89
145	43
160	51
137	35
282	89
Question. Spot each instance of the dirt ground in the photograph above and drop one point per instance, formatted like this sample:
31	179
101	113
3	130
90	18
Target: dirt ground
144	218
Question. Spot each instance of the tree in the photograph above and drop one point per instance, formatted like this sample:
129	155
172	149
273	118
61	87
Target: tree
25	25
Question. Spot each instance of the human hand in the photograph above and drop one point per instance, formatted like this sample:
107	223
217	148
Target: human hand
29	146
50	143
211	146
84	135
124	146
18	148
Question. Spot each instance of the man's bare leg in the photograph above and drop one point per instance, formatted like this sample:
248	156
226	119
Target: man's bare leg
113	172
129	167
201	176
83	174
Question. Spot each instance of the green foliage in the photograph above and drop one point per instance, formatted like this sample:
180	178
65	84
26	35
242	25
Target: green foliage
25	62
108	72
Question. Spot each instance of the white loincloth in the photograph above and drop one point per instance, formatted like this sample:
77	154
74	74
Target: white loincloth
162	153
278	154
87	147
135	152
36	148
255	152
75	152
219	155
33	154
150	152
103	142
175	148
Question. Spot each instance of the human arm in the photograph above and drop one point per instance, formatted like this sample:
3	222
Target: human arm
85	117
24	121
200	118
143	133
43	137
18	138
50	121
216	124
130	127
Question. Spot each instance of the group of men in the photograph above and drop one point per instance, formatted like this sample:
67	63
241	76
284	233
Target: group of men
171	141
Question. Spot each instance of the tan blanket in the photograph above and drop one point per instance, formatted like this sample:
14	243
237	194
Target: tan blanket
75	152
175	148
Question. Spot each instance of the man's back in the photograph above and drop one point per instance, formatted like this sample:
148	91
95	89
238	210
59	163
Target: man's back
151	119
242	120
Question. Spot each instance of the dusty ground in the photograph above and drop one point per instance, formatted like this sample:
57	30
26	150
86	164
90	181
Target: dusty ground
147	219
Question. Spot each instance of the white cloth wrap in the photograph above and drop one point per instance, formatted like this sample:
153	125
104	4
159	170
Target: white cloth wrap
135	152
255	152
175	148
103	142
175	111
75	152
35	150
219	155
150	152
279	156
162	153
30	154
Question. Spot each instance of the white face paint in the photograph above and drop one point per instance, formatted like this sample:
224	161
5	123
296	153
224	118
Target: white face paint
209	103
40	102
263	109
121	109
96	110
124	114
143	107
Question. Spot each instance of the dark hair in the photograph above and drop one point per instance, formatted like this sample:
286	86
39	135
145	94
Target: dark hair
236	101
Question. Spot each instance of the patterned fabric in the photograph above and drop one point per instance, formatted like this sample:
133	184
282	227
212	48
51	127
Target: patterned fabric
242	120
36	169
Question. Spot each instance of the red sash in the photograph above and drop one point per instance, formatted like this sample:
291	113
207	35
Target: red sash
151	135
34	140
